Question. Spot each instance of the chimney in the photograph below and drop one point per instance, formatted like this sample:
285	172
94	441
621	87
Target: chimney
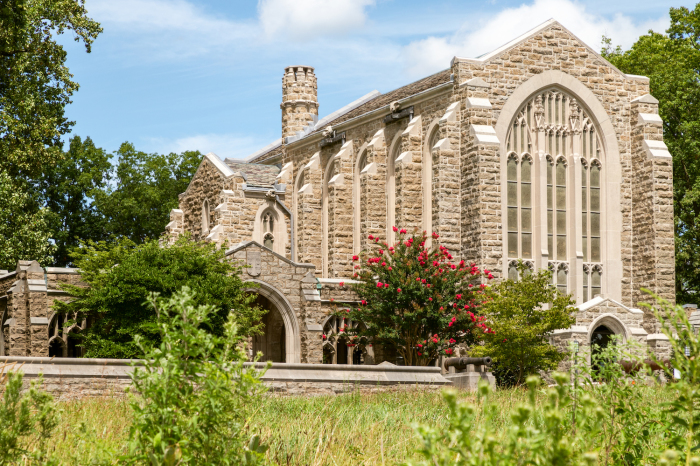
299	99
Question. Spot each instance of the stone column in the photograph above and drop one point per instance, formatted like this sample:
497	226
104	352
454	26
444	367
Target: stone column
309	201
340	214
373	192
38	310
409	181
652	208
446	162
482	222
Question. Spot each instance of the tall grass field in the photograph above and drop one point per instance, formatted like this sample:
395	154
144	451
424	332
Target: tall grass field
354	429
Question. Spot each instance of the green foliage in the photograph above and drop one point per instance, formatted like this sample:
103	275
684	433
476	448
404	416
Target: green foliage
682	420
537	435
196	392
35	83
67	189
120	277
22	414
416	300
522	315
24	230
143	189
629	430
672	63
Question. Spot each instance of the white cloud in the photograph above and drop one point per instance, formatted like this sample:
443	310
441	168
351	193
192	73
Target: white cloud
305	19
224	145
428	55
173	28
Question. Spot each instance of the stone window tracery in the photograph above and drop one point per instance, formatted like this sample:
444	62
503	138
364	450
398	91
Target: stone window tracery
268	228
553	130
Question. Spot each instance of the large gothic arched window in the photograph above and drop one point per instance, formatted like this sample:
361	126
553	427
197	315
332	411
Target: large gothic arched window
554	162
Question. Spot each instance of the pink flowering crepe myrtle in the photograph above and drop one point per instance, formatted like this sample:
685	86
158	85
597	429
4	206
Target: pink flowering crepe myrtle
421	301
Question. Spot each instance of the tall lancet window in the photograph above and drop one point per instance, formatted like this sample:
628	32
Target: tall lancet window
519	188
550	140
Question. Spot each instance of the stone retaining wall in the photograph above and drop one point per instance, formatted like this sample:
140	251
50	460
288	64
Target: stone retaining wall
75	378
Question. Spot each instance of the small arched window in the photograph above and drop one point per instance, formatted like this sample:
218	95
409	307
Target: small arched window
205	217
268	229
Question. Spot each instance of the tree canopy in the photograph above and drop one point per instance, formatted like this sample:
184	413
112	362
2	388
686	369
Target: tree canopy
672	63
119	277
35	83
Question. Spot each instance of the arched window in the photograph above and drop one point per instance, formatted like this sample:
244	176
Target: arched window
268	228
205	217
552	129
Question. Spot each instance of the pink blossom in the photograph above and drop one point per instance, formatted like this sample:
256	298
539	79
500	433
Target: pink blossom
386	285
448	351
450	324
390	268
452	341
364	303
403	231
399	290
355	258
459	296
419	345
379	284
381	251
430	299
395	229
370	237
342	283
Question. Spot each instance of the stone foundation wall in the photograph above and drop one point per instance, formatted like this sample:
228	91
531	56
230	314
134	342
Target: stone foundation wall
70	379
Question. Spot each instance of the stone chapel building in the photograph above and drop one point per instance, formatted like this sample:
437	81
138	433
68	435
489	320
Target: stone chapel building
540	150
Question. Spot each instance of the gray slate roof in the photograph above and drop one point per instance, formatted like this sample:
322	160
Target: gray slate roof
255	174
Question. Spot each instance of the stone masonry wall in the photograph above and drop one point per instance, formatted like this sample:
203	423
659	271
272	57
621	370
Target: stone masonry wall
554	48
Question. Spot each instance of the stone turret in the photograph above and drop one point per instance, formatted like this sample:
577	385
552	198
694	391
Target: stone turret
299	99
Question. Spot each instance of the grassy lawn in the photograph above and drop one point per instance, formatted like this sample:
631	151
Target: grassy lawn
358	429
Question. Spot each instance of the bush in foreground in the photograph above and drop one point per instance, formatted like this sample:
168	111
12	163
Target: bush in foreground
523	314
195	393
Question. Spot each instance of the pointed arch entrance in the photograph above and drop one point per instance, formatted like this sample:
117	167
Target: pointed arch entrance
281	340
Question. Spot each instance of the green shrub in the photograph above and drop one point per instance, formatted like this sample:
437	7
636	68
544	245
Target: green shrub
22	414
120	277
195	392
522	315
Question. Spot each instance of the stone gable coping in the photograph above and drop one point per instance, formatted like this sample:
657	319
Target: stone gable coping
484	59
247	244
39	321
598	300
657	337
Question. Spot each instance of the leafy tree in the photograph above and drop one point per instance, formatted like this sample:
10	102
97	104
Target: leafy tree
672	63
523	314
195	392
35	83
119	277
67	189
416	300
24	231
143	189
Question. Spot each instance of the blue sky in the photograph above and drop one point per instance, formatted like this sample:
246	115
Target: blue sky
173	75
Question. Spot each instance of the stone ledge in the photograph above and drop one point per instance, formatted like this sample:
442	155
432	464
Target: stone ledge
83	368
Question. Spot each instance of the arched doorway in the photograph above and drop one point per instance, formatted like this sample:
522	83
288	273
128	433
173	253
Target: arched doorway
276	301
601	337
272	342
